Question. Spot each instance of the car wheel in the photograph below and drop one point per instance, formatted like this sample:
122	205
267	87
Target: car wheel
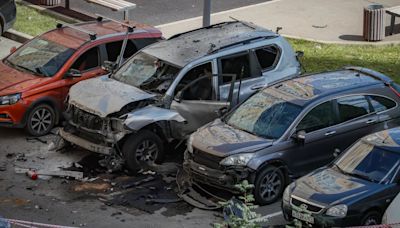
269	185
1	29
371	218
41	120
144	146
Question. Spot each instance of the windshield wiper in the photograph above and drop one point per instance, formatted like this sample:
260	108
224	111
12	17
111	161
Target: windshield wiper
26	69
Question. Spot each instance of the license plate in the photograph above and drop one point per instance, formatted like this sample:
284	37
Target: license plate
304	217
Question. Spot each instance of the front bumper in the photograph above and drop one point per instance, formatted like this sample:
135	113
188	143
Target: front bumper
321	219
69	137
223	179
13	115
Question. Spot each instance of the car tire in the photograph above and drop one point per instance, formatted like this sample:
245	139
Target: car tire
1	29
41	119
144	146
371	218
269	185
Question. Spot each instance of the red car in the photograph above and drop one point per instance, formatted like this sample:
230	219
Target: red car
35	78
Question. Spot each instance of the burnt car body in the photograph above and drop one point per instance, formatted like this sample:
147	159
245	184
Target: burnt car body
354	190
169	89
291	128
8	14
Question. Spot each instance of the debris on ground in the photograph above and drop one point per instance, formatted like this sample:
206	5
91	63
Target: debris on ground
34	174
3	166
99	187
30	139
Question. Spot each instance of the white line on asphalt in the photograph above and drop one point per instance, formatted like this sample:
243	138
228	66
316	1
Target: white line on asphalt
273	215
218	13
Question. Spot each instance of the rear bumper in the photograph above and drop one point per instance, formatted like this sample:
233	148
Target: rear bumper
69	137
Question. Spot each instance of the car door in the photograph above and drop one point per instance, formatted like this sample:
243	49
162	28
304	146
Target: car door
196	100
318	125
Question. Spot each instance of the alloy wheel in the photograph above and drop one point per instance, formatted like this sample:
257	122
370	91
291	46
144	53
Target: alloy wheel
41	120
371	221
270	185
147	151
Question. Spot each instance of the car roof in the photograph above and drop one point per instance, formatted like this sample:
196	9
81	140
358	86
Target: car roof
184	48
386	139
313	86
74	38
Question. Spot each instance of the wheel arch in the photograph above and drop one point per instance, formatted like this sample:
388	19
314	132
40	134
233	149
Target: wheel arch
277	163
44	100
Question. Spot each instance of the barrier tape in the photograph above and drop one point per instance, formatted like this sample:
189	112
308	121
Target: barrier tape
29	224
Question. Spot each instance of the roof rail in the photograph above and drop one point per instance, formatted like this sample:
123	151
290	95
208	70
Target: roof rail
91	34
211	26
101	17
240	42
377	75
244	22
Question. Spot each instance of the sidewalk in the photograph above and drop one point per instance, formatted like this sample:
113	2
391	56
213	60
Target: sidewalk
334	21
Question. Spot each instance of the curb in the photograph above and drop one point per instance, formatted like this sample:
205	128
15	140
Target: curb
44	10
379	43
17	36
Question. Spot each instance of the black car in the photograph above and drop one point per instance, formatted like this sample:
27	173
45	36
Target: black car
8	13
291	128
354	190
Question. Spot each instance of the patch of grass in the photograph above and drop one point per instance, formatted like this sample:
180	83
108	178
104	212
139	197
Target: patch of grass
320	57
32	21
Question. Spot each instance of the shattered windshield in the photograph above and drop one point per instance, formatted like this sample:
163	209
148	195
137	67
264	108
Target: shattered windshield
40	57
146	72
366	161
265	114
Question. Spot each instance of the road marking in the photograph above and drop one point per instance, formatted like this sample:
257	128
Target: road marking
218	13
273	215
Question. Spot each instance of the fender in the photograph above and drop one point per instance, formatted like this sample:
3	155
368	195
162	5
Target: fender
138	119
44	100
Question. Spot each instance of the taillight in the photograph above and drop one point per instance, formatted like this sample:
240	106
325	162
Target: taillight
395	88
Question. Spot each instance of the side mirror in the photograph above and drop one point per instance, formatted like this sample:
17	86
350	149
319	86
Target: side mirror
300	137
13	49
109	66
73	73
222	111
336	152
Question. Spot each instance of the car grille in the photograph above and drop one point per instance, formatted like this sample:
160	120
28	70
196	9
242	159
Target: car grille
85	119
306	206
206	159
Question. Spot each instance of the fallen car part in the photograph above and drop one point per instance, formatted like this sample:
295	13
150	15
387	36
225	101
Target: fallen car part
164	201
57	173
193	197
85	144
136	183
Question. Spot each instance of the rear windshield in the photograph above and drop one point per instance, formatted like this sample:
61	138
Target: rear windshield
265	114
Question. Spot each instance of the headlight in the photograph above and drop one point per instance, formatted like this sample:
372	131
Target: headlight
10	99
190	144
337	211
287	192
237	160
117	125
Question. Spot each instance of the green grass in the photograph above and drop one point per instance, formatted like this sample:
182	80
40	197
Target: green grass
32	21
319	57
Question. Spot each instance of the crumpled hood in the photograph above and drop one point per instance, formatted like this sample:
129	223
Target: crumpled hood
103	96
223	140
14	81
327	186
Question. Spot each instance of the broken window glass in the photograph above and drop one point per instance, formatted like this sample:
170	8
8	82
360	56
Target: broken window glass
197	83
88	60
267	56
239	65
114	49
266	114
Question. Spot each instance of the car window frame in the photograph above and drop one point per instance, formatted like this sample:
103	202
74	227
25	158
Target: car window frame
100	53
277	58
252	57
333	104
358	117
375	95
334	100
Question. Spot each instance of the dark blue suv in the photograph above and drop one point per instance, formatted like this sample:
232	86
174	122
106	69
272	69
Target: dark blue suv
354	190
8	14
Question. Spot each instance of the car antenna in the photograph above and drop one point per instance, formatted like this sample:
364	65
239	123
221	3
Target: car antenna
91	34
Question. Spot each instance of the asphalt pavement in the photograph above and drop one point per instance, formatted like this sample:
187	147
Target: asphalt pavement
156	12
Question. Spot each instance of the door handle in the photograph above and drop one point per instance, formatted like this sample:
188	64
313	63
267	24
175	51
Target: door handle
370	121
258	86
330	133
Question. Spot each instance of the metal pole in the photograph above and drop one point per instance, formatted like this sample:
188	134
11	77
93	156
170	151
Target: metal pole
207	13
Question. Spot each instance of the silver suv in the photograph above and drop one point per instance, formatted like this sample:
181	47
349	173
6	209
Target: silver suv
168	90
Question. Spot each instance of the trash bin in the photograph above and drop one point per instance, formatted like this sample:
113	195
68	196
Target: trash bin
49	2
374	27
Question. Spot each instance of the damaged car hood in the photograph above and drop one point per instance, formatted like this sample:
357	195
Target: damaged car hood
223	140
329	187
103	96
